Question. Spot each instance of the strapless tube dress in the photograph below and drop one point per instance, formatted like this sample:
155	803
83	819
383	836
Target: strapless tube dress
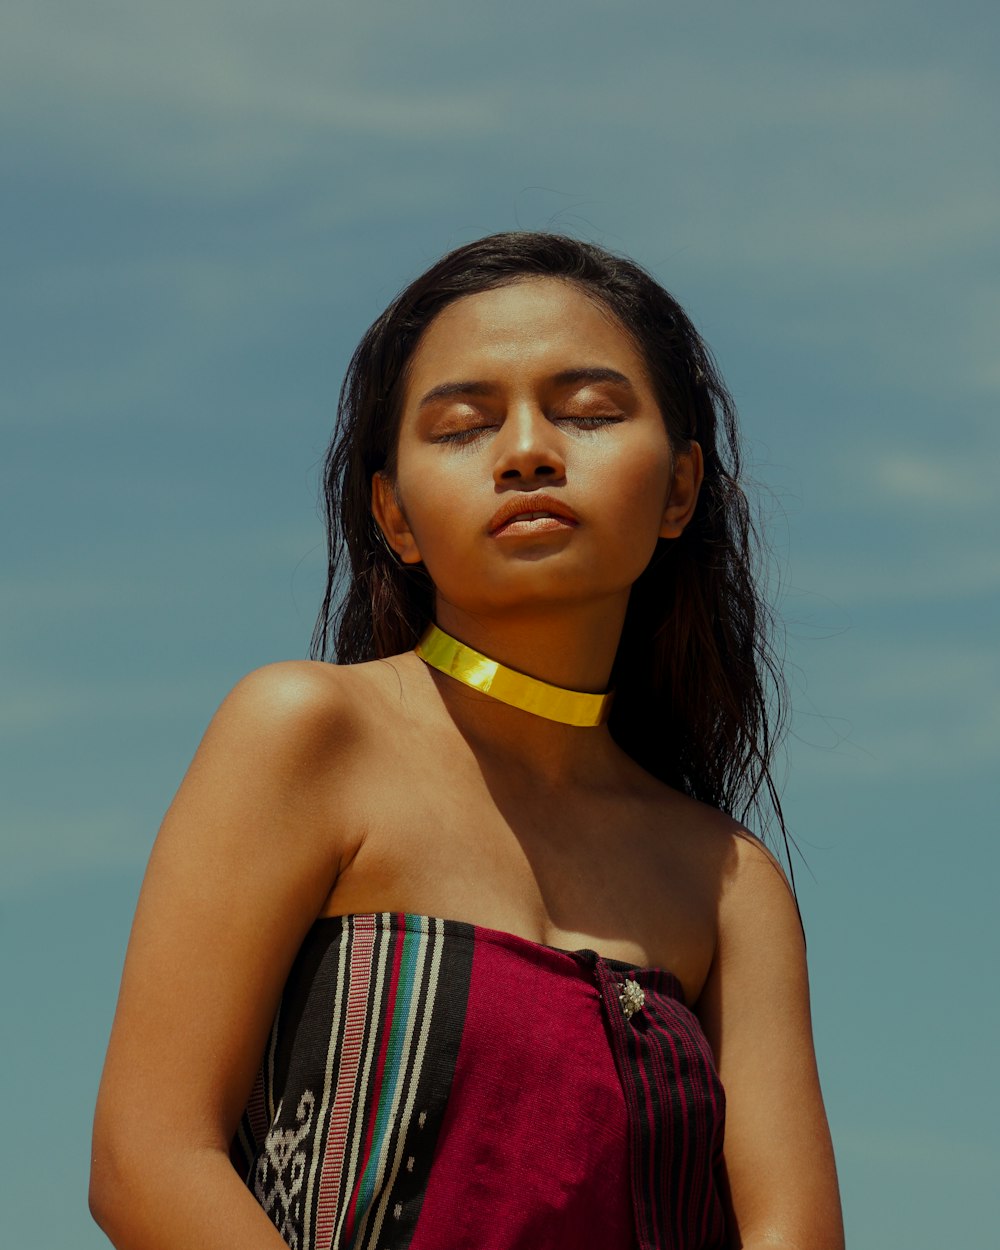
430	1084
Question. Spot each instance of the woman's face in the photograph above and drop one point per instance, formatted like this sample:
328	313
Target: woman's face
531	399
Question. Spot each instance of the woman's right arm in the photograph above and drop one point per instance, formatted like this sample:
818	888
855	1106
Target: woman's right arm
243	863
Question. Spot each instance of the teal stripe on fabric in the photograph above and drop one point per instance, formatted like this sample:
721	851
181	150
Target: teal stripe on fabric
402	1009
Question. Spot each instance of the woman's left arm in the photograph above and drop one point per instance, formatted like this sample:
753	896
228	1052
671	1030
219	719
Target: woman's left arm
755	1011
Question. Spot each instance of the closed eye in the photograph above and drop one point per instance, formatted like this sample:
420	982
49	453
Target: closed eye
465	435
592	421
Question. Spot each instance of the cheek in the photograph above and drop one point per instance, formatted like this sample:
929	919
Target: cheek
645	483
434	515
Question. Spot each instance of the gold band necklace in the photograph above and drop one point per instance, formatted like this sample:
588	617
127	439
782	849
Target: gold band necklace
490	677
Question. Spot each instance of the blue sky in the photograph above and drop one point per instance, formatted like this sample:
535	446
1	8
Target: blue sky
206	204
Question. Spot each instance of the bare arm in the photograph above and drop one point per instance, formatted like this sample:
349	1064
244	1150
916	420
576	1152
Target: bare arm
244	861
755	1010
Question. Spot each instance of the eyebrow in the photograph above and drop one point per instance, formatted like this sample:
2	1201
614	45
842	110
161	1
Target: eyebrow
568	377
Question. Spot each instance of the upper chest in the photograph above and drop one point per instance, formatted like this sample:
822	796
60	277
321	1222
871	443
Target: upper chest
618	870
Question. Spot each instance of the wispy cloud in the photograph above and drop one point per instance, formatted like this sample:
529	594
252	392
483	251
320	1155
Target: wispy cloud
46	707
161	95
894	708
948	483
943	570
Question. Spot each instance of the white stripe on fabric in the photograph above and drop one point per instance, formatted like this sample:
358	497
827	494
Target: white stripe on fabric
435	944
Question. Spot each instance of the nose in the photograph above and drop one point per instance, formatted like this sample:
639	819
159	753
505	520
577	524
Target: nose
527	447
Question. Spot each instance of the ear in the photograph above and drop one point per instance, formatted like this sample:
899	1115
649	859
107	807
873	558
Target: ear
689	469
389	518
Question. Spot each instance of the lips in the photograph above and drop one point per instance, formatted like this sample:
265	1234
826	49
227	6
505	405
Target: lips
526	506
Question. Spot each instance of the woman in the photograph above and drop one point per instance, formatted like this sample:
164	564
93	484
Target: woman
459	942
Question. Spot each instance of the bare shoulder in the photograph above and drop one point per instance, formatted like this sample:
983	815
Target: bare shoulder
752	899
288	752
303	704
760	955
710	882
754	1009
264	778
291	694
757	905
735	866
732	863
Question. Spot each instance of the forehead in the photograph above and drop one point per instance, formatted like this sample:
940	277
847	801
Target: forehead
542	325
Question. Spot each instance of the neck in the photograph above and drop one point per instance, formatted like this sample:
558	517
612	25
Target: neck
575	654
571	649
529	694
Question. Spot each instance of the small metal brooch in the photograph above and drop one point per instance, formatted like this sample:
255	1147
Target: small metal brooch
631	998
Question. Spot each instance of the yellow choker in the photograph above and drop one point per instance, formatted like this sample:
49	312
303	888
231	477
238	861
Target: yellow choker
490	677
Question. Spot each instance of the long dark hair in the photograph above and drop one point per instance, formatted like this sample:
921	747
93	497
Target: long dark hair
700	699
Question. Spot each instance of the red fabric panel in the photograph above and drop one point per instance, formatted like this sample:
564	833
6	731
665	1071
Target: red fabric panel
533	1152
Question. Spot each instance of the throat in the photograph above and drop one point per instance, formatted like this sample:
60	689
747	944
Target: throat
472	668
